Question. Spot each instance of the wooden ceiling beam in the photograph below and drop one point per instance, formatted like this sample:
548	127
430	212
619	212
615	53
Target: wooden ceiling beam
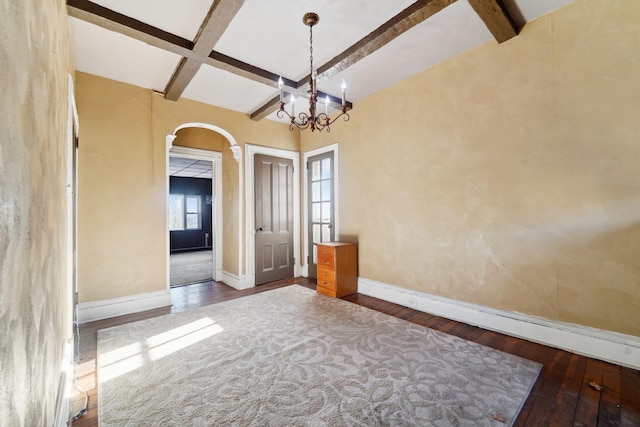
413	15
496	17
218	19
119	23
400	23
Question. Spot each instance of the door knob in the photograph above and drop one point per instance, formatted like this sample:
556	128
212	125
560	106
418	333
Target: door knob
259	229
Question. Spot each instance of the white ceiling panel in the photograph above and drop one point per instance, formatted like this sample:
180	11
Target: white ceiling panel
532	9
112	55
182	18
423	46
221	88
272	36
191	168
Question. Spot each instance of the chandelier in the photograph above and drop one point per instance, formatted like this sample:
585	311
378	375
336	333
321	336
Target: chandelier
311	120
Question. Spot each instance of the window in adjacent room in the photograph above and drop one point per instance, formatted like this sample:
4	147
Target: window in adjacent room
193	215
176	212
185	212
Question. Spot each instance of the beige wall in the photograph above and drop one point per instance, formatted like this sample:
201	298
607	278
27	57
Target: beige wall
35	315
122	167
509	175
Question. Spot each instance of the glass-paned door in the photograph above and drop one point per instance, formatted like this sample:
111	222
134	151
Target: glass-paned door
320	170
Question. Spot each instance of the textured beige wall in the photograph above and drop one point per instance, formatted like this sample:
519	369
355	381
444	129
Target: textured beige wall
122	169
508	176
121	242
34	310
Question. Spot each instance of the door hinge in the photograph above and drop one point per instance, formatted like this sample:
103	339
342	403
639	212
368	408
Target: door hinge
307	259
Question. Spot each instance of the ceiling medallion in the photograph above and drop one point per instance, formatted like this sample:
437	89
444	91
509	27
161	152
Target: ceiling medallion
311	120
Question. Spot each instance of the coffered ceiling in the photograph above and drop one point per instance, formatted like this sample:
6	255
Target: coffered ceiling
230	53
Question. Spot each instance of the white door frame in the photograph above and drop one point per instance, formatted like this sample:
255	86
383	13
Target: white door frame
216	212
305	192
71	185
250	152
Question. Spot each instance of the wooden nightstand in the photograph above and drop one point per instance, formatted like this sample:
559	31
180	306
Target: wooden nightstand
337	269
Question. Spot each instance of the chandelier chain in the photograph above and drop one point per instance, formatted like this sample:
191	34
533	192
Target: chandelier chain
311	49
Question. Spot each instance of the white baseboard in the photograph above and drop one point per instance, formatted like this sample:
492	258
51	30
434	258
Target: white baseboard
104	309
237	282
608	346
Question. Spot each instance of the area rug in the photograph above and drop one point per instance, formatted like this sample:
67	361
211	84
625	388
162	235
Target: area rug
190	267
291	357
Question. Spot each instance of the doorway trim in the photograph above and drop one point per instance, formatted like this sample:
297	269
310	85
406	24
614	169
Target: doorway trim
251	151
305	184
216	188
230	279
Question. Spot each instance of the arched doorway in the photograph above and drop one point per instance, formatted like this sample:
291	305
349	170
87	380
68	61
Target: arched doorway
219	273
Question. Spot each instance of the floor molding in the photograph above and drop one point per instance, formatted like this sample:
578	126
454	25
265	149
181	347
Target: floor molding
235	281
104	309
608	346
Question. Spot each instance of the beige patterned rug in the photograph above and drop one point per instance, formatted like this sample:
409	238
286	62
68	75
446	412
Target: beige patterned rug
290	357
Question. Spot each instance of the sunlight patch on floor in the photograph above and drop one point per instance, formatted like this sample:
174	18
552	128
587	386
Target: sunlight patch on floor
133	356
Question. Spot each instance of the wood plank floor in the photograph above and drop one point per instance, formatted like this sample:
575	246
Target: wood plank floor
561	396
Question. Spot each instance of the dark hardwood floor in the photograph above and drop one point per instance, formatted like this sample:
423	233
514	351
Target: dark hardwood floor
562	395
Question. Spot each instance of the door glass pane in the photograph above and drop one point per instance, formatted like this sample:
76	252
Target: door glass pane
315	214
326	212
315	170
315	192
326	190
326	233
326	168
315	254
316	233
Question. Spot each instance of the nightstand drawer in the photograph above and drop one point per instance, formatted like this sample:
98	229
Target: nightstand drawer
326	274
326	257
327	284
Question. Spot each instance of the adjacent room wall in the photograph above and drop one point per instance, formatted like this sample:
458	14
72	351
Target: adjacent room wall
193	239
35	314
508	176
122	173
